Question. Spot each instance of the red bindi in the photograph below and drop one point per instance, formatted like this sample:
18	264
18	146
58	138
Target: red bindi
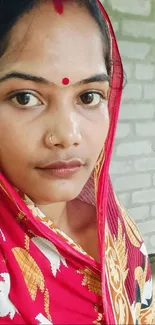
65	81
58	5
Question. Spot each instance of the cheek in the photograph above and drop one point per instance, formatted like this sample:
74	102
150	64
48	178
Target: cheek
14	143
98	134
103	124
105	114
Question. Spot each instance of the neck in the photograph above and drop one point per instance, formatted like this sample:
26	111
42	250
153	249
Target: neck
69	216
77	220
54	211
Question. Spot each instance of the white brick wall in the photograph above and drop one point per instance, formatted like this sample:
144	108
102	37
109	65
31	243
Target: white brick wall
143	196
149	91
127	183
137	111
133	164
123	130
138	7
134	50
138	28
145	129
133	148
132	91
140	213
145	71
144	164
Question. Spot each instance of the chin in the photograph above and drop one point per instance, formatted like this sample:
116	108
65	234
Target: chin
56	191
58	197
54	195
63	198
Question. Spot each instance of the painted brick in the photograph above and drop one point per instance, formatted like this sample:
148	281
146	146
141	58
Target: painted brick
116	26
149	92
137	111
138	28
146	226
133	50
140	213
124	199
128	69
152	241
139	7
121	167
132	182
145	196
123	130
154	179
132	91
145	129
144	164
134	148
153	210
145	71
146	240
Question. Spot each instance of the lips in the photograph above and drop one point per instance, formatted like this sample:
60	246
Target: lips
64	164
62	169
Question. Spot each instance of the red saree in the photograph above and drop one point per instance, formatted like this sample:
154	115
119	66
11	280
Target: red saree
45	278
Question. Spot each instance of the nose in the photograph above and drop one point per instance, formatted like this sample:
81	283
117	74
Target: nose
65	133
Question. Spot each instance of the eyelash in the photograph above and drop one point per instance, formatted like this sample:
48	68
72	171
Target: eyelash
94	92
24	92
35	97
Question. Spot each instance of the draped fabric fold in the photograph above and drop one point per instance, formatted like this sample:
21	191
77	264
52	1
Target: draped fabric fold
45	278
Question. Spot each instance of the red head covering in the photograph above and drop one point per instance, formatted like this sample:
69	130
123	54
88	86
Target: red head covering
113	217
125	267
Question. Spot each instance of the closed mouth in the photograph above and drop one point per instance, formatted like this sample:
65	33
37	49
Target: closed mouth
62	164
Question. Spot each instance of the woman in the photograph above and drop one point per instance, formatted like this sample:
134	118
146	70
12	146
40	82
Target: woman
69	254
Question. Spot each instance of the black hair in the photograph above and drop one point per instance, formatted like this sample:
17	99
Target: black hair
95	12
12	10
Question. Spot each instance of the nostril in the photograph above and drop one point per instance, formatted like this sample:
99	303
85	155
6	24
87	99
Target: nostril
63	139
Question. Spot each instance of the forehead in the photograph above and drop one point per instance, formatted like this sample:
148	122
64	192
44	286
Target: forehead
45	42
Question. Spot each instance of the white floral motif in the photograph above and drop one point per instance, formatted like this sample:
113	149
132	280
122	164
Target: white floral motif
51	253
147	292
133	310
143	250
6	306
43	320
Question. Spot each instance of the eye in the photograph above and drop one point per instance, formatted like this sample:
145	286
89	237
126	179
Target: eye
25	99
91	99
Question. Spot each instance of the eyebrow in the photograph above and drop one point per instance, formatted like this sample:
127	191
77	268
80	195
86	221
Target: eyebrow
97	78
19	75
23	76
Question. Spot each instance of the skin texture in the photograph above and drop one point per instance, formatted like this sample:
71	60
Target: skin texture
52	46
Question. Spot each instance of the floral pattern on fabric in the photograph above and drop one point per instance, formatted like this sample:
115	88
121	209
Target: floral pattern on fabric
51	253
116	267
6	306
43	320
50	275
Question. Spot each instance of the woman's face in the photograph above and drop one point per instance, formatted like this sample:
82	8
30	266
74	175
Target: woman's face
51	134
